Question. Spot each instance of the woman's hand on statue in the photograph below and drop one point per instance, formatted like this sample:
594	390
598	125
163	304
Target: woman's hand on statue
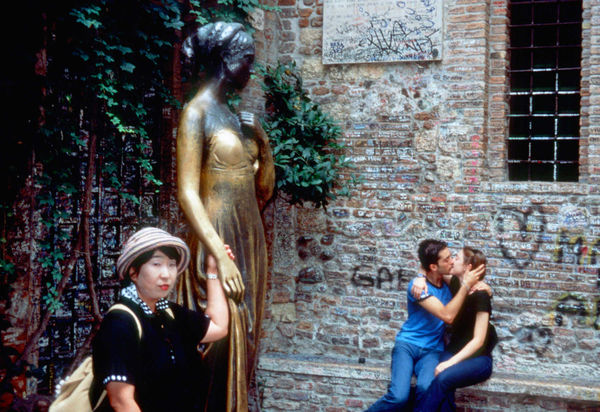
418	287
231	278
472	276
211	262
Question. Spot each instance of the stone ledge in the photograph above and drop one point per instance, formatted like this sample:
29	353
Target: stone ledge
500	383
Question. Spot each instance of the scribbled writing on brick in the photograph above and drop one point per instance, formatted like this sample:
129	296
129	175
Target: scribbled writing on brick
377	31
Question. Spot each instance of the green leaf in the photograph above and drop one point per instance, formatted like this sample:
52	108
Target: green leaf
128	67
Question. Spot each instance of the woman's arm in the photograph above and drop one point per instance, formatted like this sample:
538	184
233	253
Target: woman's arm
476	343
190	143
265	175
216	303
120	396
420	285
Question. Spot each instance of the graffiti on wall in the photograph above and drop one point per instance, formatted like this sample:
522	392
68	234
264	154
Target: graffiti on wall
577	246
381	31
520	234
572	310
383	278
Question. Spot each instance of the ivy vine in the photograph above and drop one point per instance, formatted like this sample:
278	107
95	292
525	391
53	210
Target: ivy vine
306	145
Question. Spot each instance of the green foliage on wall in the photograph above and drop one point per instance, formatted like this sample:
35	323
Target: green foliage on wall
306	145
106	76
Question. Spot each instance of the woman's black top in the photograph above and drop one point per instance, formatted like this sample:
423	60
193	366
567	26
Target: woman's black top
160	365
461	331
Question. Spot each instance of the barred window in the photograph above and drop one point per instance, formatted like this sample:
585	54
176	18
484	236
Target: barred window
545	74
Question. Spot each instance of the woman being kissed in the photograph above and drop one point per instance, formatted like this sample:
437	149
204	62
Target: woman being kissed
467	359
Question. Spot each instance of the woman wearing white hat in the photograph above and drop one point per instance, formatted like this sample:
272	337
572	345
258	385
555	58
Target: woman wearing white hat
154	372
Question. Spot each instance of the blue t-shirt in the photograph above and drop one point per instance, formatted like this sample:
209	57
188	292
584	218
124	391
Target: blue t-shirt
422	328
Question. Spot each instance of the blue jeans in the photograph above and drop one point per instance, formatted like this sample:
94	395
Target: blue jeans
407	358
440	395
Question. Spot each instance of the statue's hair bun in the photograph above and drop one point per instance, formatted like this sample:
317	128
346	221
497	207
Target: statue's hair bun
210	40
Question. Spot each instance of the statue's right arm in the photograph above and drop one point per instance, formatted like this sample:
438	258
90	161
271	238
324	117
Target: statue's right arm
190	144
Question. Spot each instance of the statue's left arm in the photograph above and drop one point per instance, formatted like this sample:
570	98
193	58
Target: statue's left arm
265	175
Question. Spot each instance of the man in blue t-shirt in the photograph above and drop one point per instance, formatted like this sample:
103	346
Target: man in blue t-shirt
420	341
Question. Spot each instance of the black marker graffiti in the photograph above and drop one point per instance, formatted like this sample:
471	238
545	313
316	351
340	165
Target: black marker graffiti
387	37
530	229
394	31
384	276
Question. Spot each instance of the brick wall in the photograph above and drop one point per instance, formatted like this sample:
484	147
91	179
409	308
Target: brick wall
429	140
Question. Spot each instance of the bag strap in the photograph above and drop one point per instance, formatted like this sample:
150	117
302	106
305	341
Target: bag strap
99	401
120	306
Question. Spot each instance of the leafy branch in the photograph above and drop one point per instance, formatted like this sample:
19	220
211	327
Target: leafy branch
305	141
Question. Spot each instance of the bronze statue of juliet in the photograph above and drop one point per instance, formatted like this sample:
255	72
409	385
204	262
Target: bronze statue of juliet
225	175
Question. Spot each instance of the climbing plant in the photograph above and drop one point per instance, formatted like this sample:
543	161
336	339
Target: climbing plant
306	145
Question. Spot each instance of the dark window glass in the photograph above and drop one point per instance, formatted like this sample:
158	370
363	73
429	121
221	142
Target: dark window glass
569	80
518	149
520	104
568	149
542	150
544	103
544	81
520	82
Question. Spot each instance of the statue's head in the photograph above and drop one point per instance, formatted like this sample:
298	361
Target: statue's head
222	48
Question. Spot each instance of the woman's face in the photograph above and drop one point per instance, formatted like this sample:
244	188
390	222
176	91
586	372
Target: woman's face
238	67
459	267
155	278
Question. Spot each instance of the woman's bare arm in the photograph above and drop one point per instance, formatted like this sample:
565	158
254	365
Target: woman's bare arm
216	306
120	397
476	343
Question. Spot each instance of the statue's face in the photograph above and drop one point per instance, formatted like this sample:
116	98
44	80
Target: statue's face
238	65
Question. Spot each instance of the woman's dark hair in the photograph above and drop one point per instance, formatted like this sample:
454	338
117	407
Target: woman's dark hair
171	253
475	258
429	250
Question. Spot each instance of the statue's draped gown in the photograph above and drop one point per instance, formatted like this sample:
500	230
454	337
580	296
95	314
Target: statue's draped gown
227	191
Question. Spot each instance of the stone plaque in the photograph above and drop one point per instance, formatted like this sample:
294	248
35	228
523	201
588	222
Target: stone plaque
381	31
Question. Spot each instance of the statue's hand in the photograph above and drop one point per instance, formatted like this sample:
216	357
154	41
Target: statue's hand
247	119
231	279
250	121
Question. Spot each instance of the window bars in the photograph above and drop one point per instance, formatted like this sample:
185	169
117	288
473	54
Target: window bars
545	74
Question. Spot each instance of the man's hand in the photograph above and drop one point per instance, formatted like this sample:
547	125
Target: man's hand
471	276
481	286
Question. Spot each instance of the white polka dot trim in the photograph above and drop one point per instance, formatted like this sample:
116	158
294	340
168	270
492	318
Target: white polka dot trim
131	293
115	378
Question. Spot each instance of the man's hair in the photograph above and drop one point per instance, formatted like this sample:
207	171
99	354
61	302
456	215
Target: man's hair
429	250
475	258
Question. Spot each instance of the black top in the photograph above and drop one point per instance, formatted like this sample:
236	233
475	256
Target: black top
160	365
461	331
